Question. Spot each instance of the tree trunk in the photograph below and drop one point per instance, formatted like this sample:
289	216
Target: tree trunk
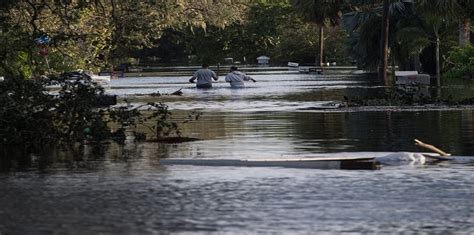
416	62
438	69
464	32
384	51
321	46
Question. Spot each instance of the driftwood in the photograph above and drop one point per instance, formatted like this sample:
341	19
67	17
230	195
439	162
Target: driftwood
178	92
432	148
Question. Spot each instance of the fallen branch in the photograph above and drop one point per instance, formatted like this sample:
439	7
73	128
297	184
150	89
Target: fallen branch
178	92
432	148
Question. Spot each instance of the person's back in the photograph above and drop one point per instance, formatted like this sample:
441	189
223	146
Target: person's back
204	77
237	78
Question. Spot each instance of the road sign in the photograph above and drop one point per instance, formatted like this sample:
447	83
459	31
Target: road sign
42	40
43	51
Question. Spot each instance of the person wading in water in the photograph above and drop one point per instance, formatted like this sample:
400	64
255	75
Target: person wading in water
237	78
204	77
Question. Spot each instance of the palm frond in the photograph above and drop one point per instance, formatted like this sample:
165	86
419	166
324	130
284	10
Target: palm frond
321	12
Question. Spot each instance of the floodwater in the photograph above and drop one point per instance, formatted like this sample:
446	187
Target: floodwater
126	190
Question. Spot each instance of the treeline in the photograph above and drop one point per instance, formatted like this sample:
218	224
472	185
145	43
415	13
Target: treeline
91	34
431	36
271	28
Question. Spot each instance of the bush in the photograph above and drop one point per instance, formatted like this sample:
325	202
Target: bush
461	63
33	120
25	115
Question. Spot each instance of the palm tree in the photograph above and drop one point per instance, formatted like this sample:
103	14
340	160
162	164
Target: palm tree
462	10
322	13
436	14
386	4
366	12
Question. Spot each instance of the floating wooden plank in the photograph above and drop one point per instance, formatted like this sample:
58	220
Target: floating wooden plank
349	163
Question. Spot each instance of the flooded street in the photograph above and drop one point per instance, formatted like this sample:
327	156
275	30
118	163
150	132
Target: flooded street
126	190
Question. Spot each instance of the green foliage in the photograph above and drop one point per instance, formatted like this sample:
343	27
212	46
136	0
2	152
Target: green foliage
414	28
93	34
159	116
461	63
254	37
77	117
33	119
321	12
409	42
450	9
298	41
15	59
363	45
25	117
272	28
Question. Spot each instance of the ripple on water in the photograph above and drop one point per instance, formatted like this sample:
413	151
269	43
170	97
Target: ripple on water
128	192
207	199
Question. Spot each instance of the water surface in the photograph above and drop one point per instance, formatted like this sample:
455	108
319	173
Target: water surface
124	190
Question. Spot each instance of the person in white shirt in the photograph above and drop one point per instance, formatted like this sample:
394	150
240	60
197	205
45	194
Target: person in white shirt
204	77
237	78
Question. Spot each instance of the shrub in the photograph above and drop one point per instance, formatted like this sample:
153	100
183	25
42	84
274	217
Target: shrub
33	120
461	63
25	115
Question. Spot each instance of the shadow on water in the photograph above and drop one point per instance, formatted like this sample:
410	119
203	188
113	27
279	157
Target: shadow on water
80	156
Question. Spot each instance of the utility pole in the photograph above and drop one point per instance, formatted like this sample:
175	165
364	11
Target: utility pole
321	46
438	66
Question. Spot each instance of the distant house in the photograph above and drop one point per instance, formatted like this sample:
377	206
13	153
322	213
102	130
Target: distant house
263	60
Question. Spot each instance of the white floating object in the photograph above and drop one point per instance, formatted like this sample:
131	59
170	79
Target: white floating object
411	77
402	158
353	163
293	64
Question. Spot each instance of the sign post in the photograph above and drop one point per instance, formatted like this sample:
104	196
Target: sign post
42	44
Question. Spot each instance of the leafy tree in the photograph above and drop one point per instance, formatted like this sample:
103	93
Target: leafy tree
271	28
245	40
461	10
25	116
389	14
322	13
92	34
298	41
32	121
461	62
421	29
433	25
364	25
363	43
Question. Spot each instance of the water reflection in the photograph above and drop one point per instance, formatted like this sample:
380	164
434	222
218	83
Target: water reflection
274	134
